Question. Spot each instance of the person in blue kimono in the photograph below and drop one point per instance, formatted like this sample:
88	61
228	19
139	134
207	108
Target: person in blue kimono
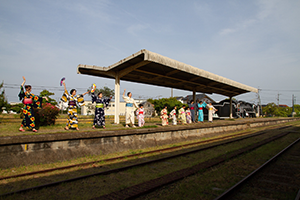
99	119
201	105
30	101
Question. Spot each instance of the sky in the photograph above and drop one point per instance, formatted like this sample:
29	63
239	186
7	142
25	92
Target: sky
256	43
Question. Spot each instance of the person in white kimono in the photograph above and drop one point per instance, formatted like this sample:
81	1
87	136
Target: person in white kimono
129	109
173	115
211	110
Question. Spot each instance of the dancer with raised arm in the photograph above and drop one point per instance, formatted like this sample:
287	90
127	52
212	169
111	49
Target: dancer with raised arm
30	101
72	99
129	108
211	110
101	103
201	106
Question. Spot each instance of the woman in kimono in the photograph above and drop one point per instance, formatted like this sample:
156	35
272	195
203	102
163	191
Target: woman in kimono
164	116
99	119
201	106
211	110
192	107
173	115
181	114
30	101
129	109
140	115
72	99
188	116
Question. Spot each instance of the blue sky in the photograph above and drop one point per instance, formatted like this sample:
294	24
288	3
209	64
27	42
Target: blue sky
256	42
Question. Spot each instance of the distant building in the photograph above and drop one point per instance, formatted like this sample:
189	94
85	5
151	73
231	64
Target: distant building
200	97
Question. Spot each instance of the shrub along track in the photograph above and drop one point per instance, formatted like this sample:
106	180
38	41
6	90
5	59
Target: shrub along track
147	186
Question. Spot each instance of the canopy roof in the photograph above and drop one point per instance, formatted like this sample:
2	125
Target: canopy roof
154	69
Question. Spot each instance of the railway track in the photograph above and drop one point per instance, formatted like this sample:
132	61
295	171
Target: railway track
278	178
145	187
247	134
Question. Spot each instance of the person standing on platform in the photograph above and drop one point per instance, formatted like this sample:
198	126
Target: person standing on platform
173	115
201	106
72	100
30	101
164	116
181	114
130	107
140	115
192	107
188	115
211	110
99	119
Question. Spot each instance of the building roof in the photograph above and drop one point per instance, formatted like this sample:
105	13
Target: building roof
154	69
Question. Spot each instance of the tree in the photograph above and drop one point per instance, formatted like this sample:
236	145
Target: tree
46	93
159	104
3	101
106	92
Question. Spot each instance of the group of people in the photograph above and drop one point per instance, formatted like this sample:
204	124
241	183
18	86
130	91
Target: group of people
188	115
31	101
73	100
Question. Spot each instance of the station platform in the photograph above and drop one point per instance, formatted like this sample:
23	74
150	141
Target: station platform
53	147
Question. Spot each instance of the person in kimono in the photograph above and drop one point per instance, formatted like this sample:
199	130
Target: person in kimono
188	115
201	106
192	107
30	101
211	110
173	115
101	103
130	107
140	115
72	99
164	116
181	115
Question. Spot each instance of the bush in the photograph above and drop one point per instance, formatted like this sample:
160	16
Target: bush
46	115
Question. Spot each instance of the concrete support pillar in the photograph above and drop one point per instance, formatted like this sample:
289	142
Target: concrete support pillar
230	115
117	99
194	96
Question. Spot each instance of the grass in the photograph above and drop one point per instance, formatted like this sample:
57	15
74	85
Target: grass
210	182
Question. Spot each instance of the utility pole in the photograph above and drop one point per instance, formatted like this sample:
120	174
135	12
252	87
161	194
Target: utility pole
172	92
278	99
293	103
259	103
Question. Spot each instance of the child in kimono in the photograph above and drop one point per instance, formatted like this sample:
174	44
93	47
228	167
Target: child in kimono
188	116
140	115
173	115
181	115
72	100
164	116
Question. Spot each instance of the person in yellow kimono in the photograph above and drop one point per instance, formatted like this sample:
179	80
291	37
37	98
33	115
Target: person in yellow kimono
181	114
72	99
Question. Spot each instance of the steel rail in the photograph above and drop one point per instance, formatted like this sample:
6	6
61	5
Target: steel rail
230	191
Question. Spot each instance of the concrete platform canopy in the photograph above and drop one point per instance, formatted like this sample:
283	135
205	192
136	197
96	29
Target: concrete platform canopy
154	69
